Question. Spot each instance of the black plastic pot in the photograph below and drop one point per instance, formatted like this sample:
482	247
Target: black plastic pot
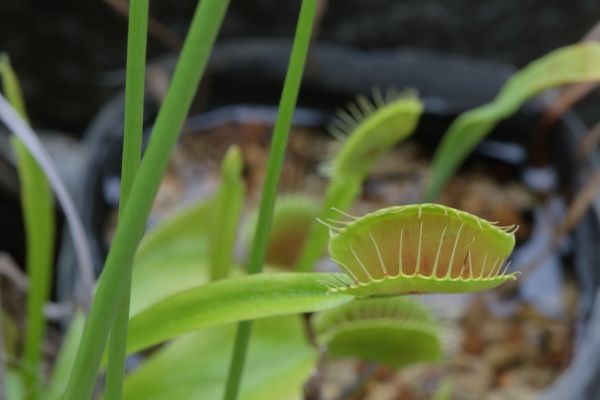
247	77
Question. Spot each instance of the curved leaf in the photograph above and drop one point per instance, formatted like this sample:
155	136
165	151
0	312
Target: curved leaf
232	300
571	64
186	225
174	373
161	278
172	257
396	331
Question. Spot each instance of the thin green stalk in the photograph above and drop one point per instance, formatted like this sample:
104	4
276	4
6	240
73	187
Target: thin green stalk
169	122
132	152
38	214
287	104
227	208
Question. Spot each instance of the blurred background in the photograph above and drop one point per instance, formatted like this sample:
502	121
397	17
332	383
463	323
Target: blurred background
70	54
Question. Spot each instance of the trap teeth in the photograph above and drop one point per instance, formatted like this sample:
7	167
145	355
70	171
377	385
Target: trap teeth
369	127
419	249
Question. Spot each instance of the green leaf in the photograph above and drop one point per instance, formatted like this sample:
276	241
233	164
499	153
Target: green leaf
293	215
281	130
232	300
66	356
173	257
226	214
38	213
14	388
395	331
183	226
113	281
372	129
571	64
194	366
154	281
133	126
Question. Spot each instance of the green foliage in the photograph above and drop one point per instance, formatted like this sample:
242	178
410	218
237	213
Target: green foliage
390	252
395	331
292	218
372	129
14	387
132	153
227	209
232	300
38	213
173	256
279	362
571	64
155	281
285	112
63	364
170	119
178	233
420	249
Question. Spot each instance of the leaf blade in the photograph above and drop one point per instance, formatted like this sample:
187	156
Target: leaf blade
570	64
232	300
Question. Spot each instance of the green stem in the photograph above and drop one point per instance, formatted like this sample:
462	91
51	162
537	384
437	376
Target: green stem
132	151
287	104
38	214
227	208
169	122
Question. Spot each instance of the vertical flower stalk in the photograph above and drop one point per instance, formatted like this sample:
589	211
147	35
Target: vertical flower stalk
287	104
132	220
132	153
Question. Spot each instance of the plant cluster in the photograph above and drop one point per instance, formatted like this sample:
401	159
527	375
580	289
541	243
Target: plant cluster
178	285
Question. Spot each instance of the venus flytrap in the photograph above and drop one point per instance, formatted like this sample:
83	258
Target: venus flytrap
395	331
570	64
368	130
386	254
426	248
423	248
